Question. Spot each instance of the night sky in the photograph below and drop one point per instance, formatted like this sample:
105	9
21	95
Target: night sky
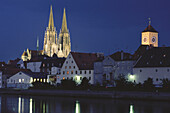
95	25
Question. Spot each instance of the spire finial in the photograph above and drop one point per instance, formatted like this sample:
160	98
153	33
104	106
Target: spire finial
64	23
149	21
37	43
51	21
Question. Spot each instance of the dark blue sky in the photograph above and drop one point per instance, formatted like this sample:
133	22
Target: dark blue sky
95	25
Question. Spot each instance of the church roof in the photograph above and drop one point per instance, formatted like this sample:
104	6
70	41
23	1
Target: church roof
85	61
155	57
149	29
51	20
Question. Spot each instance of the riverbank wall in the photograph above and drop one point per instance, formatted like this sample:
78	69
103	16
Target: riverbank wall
163	96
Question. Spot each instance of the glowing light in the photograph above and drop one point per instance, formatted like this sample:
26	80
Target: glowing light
131	109
77	79
131	77
40	80
77	109
19	105
31	80
19	80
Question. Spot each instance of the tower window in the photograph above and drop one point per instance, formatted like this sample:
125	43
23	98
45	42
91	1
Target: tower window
67	72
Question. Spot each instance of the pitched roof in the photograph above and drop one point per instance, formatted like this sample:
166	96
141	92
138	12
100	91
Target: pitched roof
85	61
149	29
155	57
35	74
121	56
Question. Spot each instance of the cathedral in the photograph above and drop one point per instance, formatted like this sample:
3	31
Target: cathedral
54	44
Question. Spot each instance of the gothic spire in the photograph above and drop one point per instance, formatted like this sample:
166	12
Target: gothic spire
37	43
64	23
51	21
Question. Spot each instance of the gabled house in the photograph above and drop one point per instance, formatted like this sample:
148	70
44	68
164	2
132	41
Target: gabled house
24	79
79	65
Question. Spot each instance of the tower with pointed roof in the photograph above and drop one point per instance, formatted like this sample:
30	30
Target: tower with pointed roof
50	38
64	45
149	36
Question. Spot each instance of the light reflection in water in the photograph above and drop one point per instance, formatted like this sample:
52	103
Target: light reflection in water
19	105
131	109
30	105
77	109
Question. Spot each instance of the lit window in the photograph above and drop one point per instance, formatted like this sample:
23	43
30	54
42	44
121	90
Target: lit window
44	80
65	67
19	80
34	79
63	78
37	79
69	67
67	72
40	80
22	80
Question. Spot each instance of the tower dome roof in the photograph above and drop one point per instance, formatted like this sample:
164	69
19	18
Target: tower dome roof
150	29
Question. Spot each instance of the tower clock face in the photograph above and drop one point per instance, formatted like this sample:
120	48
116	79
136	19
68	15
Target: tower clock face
145	39
153	39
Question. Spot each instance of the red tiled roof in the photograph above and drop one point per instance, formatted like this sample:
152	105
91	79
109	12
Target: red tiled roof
85	61
117	56
149	29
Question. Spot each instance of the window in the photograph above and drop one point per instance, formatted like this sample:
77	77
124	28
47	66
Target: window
63	72
89	72
69	67
84	72
74	67
71	72
156	79
71	78
19	80
66	62
80	72
63	78
65	67
156	70
11	80
140	70
22	80
89	78
80	78
67	72
168	70
76	72
71	61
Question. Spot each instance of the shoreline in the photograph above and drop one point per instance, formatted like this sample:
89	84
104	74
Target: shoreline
128	95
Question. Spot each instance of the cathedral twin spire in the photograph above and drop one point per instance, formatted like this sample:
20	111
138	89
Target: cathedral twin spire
52	45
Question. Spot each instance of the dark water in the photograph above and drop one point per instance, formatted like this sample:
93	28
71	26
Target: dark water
40	104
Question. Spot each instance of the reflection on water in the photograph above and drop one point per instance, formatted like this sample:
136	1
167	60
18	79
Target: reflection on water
38	104
131	109
77	109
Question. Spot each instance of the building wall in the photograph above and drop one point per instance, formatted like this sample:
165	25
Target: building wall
98	72
147	38
34	66
1	79
19	80
70	70
142	74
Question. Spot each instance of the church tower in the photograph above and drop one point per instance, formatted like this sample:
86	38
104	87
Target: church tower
50	38
150	36
64	39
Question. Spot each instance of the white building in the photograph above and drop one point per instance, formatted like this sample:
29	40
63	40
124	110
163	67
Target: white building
154	63
77	66
24	79
1	79
107	70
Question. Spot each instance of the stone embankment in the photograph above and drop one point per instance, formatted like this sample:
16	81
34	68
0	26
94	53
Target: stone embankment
164	96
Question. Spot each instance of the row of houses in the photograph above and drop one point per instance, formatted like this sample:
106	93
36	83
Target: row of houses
147	61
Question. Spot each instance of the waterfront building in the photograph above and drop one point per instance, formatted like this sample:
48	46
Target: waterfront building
79	65
112	66
24	79
154	63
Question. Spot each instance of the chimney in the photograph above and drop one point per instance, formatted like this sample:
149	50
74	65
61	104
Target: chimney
121	55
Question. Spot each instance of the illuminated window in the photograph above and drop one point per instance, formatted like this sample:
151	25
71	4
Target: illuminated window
34	79
63	78
22	80
69	67
44	80
71	72
40	80
65	67
37	79
19	80
67	72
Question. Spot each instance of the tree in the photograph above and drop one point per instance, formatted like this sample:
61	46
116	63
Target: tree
121	82
68	84
85	83
148	84
166	83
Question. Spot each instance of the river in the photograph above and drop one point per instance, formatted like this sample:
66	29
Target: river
45	104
